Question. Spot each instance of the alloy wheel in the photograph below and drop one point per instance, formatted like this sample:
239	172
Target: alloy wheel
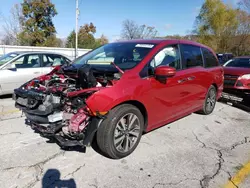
211	100
126	132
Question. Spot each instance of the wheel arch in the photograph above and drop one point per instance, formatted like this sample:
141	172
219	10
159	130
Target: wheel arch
215	85
141	107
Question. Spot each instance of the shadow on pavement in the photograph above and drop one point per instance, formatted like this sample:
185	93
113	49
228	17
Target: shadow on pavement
6	96
240	105
51	179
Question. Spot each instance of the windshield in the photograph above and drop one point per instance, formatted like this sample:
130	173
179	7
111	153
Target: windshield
124	55
238	62
7	57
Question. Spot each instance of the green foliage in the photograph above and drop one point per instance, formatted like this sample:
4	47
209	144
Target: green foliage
71	40
216	24
224	28
86	38
38	28
101	41
240	43
53	41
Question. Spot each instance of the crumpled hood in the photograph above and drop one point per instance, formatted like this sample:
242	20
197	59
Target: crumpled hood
238	71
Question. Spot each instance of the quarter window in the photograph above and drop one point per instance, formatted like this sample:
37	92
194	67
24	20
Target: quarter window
210	60
52	60
192	56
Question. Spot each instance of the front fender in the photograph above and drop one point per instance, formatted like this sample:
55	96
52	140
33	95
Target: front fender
105	99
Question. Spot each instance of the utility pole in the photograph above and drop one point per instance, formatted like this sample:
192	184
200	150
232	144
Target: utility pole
76	30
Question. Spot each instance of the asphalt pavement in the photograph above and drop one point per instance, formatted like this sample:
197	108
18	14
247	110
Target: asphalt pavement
196	151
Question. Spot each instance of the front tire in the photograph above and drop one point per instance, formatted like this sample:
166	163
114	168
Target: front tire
121	131
210	101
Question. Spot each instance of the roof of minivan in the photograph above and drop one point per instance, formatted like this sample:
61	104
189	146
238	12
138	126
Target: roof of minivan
158	41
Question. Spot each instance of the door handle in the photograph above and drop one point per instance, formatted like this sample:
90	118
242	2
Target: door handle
191	78
182	80
36	72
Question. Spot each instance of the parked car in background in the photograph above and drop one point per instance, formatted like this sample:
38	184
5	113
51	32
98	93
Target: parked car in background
224	57
120	90
237	79
16	68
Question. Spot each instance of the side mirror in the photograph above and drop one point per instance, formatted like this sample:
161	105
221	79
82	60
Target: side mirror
164	72
11	66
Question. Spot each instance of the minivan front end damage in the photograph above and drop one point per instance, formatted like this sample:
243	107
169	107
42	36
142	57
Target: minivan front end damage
68	134
55	106
68	120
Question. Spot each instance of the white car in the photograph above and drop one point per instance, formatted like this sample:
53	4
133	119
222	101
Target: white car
16	68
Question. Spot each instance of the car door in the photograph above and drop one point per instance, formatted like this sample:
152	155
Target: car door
49	61
195	76
165	101
25	68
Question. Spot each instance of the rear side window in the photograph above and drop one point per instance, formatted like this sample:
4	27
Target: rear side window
210	60
52	60
191	56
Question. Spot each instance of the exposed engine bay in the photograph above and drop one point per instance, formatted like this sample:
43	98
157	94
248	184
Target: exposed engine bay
54	104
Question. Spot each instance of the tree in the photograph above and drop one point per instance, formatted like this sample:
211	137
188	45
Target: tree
216	24
131	30
37	24
174	37
71	39
86	37
241	41
12	25
53	41
101	41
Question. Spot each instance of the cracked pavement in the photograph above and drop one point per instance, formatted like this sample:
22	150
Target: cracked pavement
195	151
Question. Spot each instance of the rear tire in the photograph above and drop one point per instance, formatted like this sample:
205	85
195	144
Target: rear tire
210	101
120	133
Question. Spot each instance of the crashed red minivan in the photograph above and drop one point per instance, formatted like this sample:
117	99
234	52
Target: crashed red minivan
121	90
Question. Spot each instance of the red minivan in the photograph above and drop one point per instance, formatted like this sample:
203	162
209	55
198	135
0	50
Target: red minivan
121	90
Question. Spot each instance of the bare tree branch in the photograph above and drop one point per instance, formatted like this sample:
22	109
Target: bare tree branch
12	25
244	5
132	30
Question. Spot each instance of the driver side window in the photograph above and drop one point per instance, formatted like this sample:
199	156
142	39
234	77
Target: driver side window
169	56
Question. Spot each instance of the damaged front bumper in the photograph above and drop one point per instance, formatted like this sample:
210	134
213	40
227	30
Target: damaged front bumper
52	131
61	118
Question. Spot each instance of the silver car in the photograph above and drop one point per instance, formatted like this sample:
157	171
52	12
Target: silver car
16	68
